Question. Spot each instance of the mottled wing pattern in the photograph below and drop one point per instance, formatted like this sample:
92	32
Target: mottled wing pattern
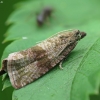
22	66
26	73
28	65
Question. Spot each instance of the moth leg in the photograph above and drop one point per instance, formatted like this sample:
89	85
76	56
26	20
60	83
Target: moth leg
60	65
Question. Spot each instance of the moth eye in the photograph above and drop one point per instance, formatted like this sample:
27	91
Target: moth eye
77	33
70	41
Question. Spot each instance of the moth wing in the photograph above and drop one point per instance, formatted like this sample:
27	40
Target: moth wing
29	73
23	68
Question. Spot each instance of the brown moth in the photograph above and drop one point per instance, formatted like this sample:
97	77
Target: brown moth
25	66
43	15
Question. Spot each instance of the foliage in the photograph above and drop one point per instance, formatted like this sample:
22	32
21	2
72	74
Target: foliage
80	76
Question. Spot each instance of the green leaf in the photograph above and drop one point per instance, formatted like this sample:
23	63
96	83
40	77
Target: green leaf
6	83
87	74
80	76
78	79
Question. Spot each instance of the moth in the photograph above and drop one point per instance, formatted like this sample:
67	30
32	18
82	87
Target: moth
25	66
43	15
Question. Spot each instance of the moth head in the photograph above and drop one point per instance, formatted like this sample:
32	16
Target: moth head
79	35
83	34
